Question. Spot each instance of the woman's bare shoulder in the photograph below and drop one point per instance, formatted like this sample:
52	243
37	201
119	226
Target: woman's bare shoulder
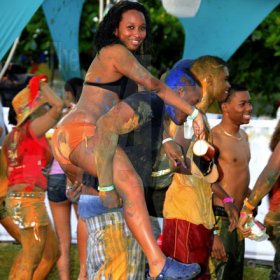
114	50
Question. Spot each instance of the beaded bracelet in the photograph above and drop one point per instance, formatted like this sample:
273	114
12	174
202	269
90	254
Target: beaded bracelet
194	114
216	230
106	189
248	204
228	200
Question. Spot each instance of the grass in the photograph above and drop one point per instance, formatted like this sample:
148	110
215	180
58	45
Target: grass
8	250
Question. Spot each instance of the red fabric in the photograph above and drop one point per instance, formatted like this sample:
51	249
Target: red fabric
34	85
188	243
274	200
26	156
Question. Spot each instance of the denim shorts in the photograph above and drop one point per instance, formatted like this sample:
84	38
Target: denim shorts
90	206
57	187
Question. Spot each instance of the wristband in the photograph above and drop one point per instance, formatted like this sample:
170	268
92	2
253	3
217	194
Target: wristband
106	189
194	114
166	140
228	200
248	204
245	214
216	230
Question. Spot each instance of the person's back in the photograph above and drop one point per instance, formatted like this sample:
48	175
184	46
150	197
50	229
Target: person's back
233	159
27	158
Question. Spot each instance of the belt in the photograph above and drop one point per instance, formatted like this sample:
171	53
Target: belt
219	211
161	172
26	194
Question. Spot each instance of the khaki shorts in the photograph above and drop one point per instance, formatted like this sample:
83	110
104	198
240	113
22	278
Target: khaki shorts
27	209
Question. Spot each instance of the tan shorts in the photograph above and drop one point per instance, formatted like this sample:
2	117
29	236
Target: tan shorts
27	209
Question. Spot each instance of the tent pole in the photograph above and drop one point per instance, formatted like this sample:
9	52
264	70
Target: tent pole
9	58
101	10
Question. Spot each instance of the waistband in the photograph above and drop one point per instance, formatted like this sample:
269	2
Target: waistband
161	172
26	194
90	206
219	211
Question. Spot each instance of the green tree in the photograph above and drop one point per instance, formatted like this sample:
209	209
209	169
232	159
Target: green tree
257	65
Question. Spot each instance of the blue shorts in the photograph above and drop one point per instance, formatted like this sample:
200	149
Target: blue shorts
57	187
90	206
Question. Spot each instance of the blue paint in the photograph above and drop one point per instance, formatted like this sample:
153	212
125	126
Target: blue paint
177	77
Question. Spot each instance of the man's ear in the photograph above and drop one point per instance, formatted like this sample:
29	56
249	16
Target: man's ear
224	107
209	80
180	91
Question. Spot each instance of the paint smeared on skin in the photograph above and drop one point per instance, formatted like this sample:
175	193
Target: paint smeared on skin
263	188
140	73
108	99
144	112
272	177
130	124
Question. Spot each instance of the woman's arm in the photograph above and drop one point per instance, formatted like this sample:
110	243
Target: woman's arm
263	185
125	63
266	179
42	124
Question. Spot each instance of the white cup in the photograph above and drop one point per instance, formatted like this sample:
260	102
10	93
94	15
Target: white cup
188	130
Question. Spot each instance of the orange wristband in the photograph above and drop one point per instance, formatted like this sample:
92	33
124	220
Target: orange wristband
248	204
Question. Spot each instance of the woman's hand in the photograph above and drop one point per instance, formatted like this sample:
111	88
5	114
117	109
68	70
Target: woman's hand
73	191
111	199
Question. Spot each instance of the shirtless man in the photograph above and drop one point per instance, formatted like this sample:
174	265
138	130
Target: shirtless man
232	145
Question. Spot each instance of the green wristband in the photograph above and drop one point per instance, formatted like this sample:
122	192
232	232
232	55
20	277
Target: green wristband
106	189
194	114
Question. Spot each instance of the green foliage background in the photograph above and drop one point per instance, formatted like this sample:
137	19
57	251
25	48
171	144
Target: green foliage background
256	63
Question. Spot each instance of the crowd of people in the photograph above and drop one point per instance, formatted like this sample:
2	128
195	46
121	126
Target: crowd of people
122	152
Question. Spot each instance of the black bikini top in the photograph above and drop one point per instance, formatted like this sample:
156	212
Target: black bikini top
123	87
